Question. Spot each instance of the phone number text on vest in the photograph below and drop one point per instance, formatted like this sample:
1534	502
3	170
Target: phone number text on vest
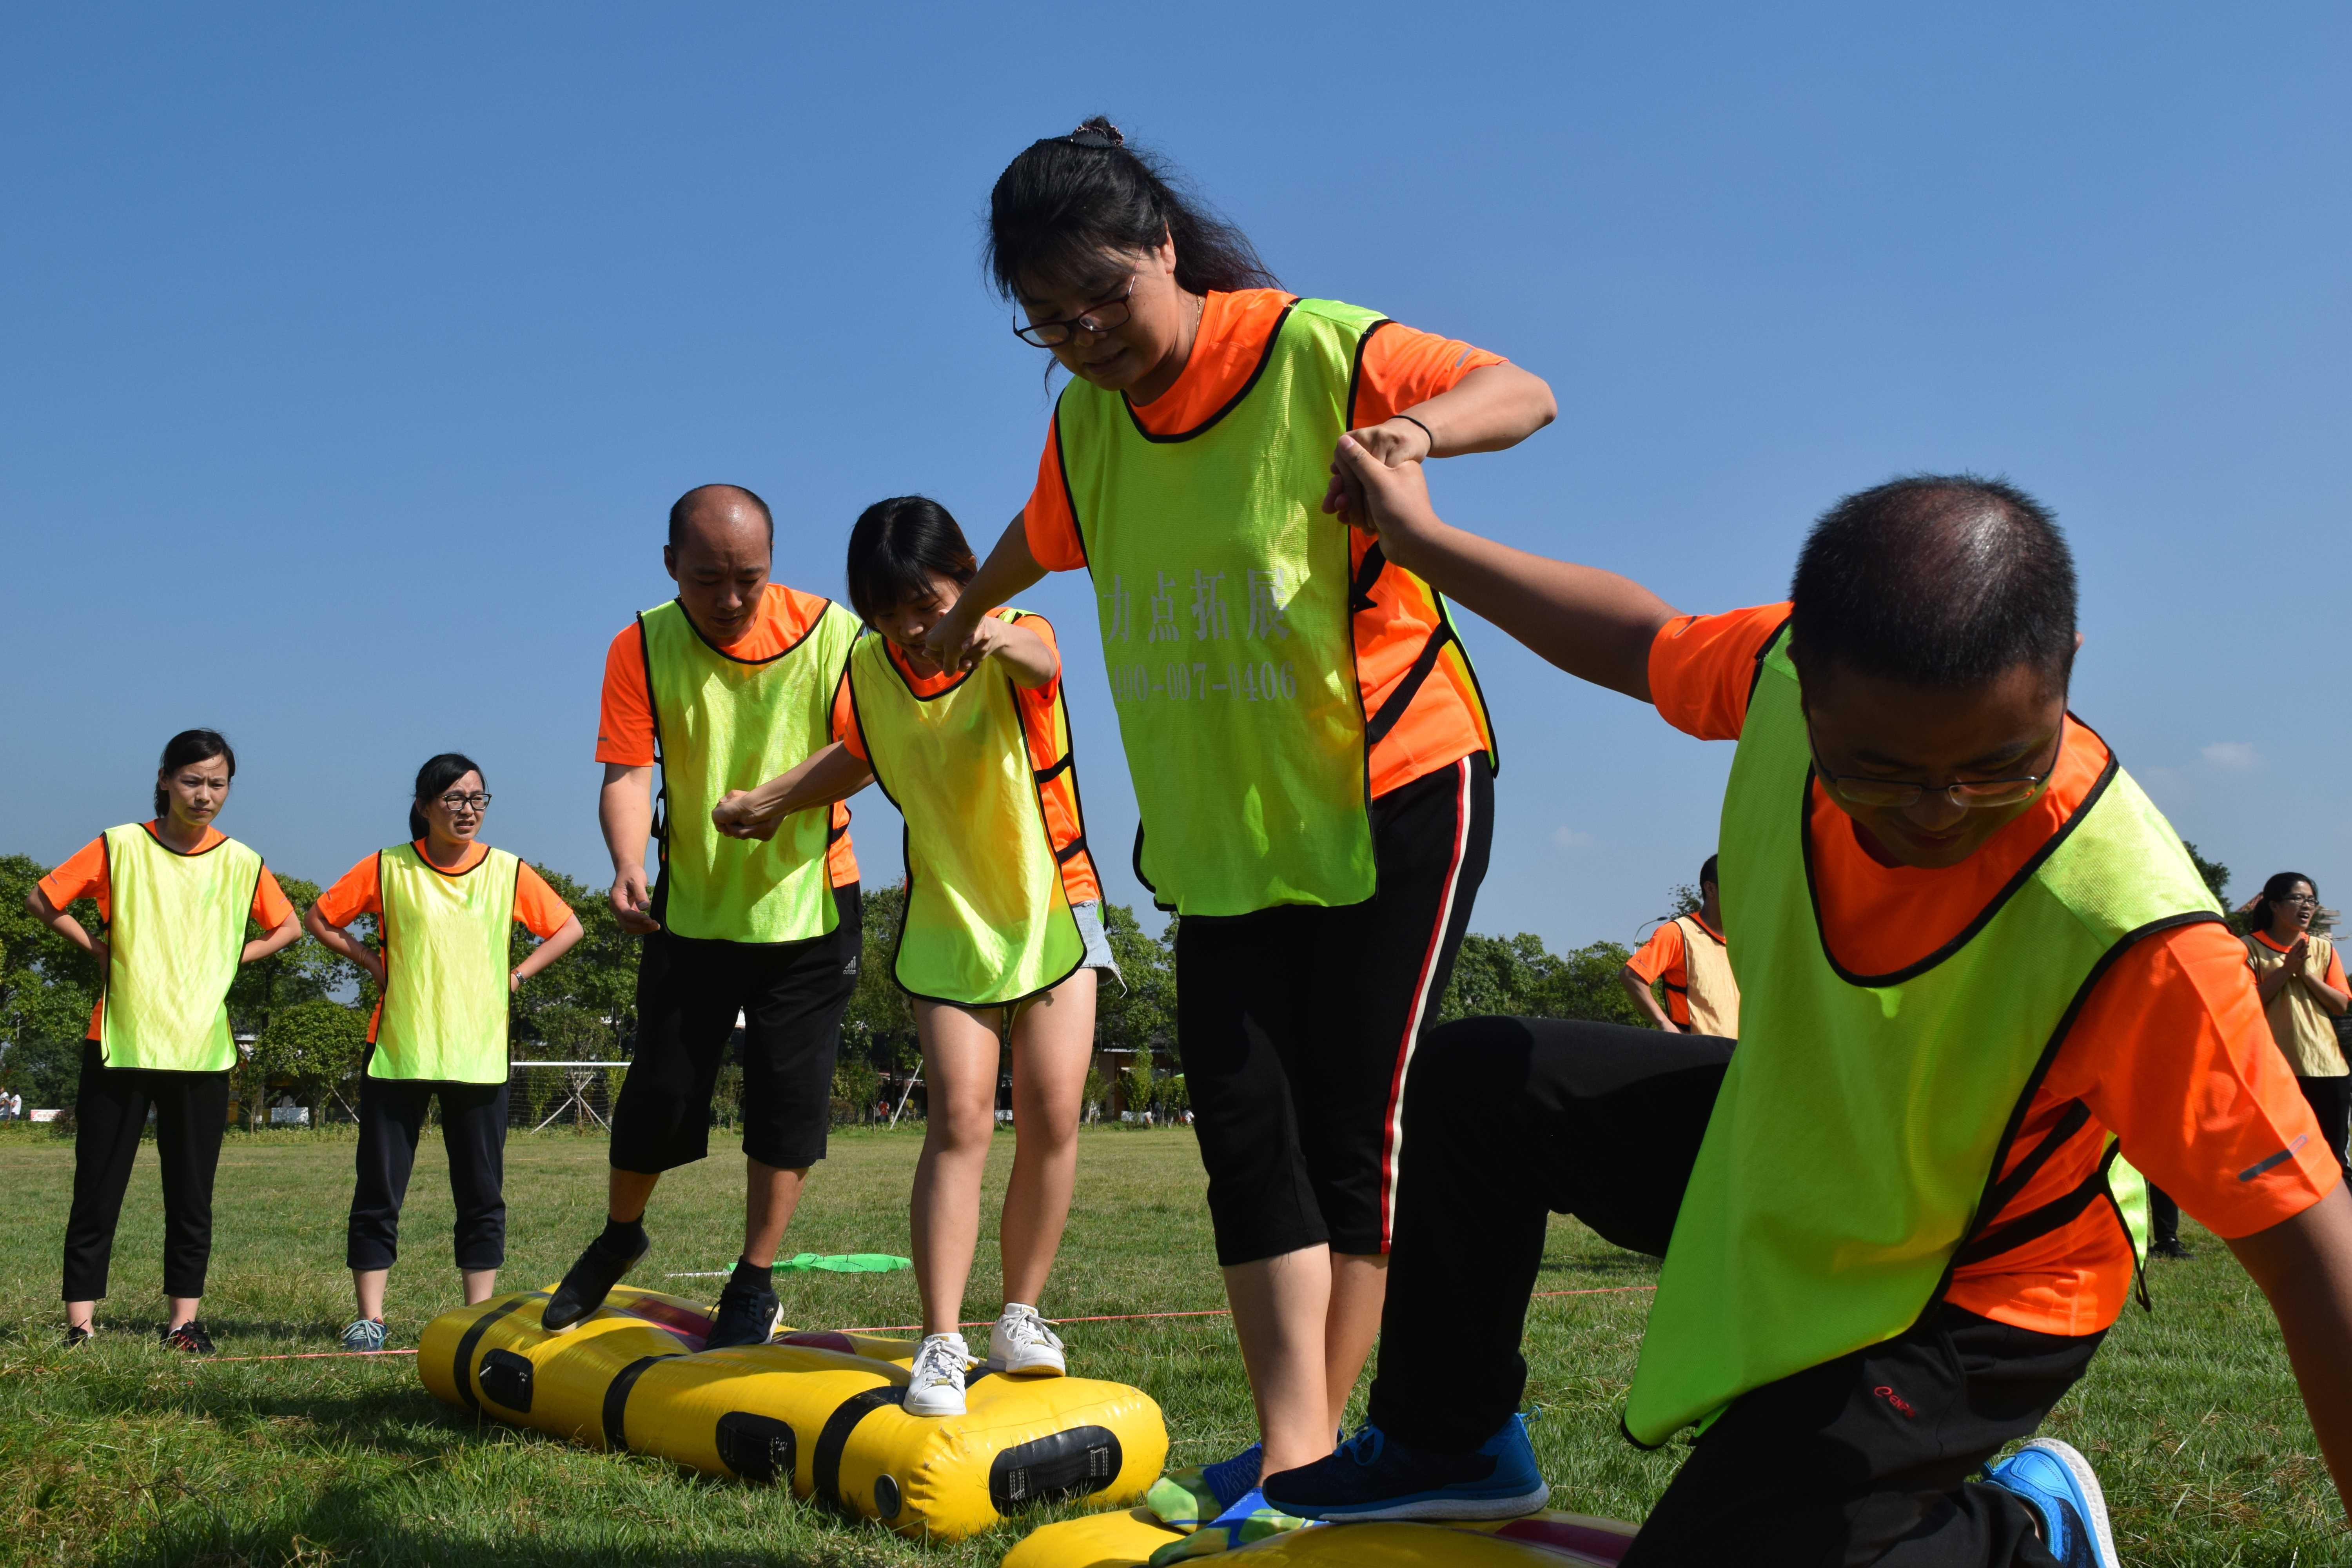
1198	613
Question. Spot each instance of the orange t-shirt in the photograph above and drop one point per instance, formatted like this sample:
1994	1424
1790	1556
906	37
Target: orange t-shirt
624	722
2170	1051
1399	368
1049	741
1662	957
83	876
539	908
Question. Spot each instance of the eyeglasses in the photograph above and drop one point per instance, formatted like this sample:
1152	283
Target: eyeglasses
1901	795
1096	319
456	802
2297	899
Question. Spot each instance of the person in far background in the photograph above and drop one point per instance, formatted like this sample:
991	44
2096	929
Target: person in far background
2302	981
446	904
1689	955
174	895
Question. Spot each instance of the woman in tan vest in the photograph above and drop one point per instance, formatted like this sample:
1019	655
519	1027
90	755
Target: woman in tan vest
2302	981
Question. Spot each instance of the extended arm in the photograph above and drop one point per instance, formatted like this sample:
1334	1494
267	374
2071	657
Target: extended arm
2304	1265
1591	623
336	938
1009	569
1494	407
829	774
546	953
625	810
1644	1000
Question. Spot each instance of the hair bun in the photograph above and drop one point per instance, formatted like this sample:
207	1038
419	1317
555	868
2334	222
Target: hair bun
1095	131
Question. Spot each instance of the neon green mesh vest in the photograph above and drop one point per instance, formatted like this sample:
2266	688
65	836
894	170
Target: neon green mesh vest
1225	594
724	723
986	919
1851	1158
175	935
446	944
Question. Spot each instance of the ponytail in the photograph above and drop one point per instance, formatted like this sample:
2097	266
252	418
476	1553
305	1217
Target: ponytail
1068	198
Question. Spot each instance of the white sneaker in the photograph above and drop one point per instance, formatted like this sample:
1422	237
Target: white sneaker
937	1387
1020	1343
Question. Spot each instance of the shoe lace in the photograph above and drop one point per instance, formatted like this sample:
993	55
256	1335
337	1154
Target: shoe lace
1365	1447
936	1360
1026	1328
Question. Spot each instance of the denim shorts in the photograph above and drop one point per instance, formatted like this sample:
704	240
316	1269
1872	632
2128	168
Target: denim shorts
1097	941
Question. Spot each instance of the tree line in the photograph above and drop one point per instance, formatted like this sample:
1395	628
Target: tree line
301	1014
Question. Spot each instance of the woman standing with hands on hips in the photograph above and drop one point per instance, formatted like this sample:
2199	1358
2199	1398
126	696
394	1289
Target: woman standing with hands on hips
174	895
2301	978
1311	756
444	903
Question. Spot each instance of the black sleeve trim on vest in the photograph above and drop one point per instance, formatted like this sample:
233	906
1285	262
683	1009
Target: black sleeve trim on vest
1983	917
1356	368
1400	696
1264	358
461	1362
1157	902
1780	633
1069	495
616	1410
1985	1214
833	1441
1367	574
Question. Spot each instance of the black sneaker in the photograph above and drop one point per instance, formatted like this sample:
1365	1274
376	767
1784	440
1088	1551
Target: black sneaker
1371	1478
76	1337
747	1315
189	1338
586	1285
2170	1247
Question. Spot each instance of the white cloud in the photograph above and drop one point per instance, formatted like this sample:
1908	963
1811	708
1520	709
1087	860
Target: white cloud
2235	756
1570	838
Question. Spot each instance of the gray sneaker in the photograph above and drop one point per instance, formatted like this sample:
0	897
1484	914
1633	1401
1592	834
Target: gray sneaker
364	1334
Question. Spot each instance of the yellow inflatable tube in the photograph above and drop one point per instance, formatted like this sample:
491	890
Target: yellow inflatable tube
817	1411
1549	1540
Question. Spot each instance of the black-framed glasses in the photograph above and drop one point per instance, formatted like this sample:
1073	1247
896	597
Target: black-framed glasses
476	801
1901	795
1096	319
2312	899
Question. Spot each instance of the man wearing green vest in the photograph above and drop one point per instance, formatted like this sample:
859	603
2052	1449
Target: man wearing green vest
1976	967
730	683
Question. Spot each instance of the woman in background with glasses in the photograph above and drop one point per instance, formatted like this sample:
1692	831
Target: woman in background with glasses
444	904
1310	753
2302	981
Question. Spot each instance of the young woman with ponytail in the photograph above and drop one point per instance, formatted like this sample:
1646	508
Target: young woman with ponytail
174	895
2300	977
1311	756
444	903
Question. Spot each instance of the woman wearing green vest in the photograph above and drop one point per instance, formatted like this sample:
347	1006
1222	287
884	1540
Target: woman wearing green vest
444	904
2300	977
1002	931
1310	754
173	898
1978	974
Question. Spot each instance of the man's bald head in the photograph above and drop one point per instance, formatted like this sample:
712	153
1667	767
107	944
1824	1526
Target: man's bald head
720	509
1937	580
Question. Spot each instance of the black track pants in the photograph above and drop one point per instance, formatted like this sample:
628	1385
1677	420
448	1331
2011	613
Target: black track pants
1298	1026
2331	1101
473	1131
109	1114
1859	1461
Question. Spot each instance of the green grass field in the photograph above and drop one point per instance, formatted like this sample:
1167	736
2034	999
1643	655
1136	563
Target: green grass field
120	1454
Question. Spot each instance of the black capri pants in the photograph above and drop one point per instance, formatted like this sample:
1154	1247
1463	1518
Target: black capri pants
473	1132
1299	1025
109	1114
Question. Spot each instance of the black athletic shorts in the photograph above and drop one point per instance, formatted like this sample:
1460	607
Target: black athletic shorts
1296	1026
792	996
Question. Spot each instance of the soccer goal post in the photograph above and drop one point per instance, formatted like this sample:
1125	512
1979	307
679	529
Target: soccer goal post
577	1096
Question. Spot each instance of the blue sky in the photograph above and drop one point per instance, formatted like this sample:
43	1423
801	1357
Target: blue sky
351	357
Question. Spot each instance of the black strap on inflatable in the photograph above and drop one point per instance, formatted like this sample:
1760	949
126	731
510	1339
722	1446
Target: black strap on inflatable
824	1468
616	1400
463	1371
1401	697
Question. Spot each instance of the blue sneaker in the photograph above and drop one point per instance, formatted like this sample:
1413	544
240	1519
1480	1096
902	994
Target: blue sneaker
1187	1500
2060	1485
1372	1477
